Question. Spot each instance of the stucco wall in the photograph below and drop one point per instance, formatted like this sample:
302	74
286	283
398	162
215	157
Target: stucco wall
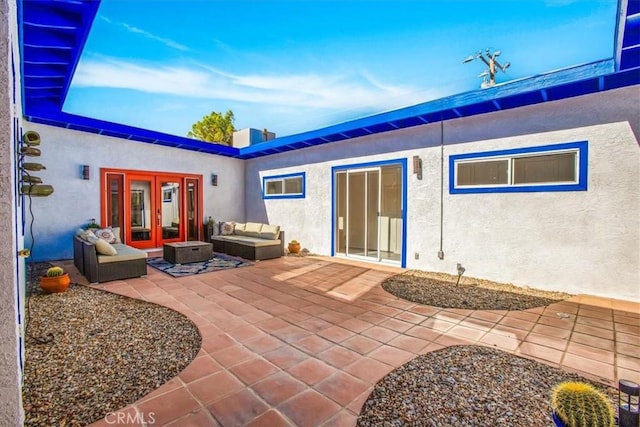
578	242
12	270
75	201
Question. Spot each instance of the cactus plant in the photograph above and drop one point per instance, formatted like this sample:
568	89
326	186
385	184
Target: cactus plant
579	404
55	272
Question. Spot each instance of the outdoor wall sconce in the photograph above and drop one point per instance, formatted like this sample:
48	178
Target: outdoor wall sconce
628	403
214	180
85	172
417	166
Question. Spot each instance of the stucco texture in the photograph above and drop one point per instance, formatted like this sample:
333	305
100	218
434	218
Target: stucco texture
578	242
75	201
10	374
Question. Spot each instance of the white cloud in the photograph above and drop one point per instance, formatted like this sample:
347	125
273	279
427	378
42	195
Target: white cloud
136	30
335	92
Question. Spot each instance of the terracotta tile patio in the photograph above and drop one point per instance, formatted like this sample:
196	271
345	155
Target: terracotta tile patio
302	341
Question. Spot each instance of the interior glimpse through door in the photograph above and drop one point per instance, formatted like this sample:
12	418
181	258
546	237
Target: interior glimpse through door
368	213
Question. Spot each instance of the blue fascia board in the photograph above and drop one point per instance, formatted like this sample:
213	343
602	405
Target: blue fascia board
86	124
520	92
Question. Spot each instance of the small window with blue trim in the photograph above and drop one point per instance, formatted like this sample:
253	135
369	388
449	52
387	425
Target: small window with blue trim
290	186
558	167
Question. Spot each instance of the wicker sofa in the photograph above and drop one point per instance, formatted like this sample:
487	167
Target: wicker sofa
253	241
126	263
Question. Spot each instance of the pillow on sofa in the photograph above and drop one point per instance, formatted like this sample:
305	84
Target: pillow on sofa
238	228
252	229
85	235
106	234
226	228
116	232
271	232
104	248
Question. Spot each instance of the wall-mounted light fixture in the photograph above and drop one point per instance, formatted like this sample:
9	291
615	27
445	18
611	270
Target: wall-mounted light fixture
214	179
417	166
85	172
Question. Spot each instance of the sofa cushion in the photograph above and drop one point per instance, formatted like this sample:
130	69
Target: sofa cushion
104	248
252	229
124	253
248	240
270	232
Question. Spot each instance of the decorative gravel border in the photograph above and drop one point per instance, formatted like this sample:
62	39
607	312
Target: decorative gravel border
90	352
467	386
441	290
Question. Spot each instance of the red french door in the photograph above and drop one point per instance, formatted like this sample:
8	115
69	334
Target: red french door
152	208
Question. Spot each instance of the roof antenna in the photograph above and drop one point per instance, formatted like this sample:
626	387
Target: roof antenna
488	75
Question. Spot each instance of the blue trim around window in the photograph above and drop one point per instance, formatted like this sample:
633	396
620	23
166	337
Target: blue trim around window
581	185
302	195
403	164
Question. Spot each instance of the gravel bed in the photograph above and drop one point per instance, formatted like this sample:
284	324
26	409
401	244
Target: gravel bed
441	290
468	385
90	352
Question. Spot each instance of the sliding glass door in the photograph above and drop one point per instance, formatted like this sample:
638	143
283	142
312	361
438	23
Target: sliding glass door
368	212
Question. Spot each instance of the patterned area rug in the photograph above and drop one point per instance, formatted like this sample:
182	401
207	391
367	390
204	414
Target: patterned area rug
218	262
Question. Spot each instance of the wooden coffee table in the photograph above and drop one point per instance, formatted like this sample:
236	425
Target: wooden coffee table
185	252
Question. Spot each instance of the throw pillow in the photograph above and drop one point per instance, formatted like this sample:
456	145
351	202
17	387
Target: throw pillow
116	232
104	248
271	232
238	228
106	234
226	229
84	234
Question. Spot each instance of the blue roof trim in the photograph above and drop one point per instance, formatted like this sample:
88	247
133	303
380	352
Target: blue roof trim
54	32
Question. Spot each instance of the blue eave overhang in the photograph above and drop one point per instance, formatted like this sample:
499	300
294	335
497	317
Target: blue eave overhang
53	34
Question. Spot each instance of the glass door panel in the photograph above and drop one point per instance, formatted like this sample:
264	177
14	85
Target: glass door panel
391	213
170	211
193	222
372	208
142	212
115	202
356	213
341	213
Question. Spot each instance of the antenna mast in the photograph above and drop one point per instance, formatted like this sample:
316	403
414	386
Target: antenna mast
488	75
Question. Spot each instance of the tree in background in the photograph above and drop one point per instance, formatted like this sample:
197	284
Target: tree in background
214	128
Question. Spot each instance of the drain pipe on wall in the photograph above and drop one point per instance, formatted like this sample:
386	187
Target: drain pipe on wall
441	251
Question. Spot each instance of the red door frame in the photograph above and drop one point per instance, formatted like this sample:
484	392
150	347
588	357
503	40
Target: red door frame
154	177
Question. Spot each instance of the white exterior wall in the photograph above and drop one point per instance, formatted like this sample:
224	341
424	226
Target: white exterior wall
75	201
579	242
12	272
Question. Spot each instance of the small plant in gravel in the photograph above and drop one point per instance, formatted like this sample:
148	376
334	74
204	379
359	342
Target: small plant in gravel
579	404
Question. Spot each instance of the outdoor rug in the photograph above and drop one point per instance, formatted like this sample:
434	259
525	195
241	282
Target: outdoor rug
218	262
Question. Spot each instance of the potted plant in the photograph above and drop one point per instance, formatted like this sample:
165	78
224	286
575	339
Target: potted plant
577	403
294	247
55	280
92	225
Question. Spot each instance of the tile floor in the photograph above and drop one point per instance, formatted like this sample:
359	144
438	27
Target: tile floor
301	341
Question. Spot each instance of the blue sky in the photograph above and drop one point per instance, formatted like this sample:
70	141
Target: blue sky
294	66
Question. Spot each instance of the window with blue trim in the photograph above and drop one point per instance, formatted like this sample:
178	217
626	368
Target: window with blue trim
558	167
290	186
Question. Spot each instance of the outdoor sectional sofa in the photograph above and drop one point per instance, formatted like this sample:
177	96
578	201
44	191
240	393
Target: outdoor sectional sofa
251	240
98	262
